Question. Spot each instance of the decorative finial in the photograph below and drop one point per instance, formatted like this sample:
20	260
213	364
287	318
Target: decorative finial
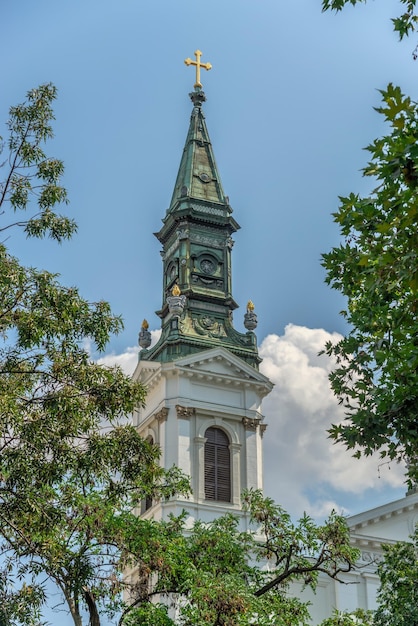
198	64
144	338
250	318
176	302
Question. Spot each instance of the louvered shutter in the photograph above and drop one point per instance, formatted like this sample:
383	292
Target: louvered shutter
217	466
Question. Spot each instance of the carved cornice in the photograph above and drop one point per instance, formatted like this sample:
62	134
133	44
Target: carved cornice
185	411
263	428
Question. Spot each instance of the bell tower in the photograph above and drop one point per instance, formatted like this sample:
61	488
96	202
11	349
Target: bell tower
204	390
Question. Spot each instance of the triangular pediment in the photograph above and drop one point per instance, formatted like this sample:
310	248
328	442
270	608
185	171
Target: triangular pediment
394	521
222	363
146	370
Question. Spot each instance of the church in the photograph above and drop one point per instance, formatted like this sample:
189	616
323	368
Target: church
204	387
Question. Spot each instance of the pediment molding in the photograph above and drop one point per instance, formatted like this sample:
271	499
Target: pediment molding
220	367
216	366
375	525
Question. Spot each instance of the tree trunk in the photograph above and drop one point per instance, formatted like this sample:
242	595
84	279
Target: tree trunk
75	614
91	605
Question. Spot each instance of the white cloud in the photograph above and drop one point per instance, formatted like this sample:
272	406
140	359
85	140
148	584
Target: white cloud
302	467
128	359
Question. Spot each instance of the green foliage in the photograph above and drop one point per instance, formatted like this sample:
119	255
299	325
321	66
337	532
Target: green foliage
147	614
398	592
30	173
375	267
216	574
404	25
355	618
301	551
71	469
20	605
64	475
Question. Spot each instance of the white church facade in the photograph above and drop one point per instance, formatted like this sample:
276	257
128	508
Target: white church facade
204	387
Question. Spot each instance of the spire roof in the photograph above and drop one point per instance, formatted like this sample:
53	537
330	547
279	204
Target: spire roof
198	176
196	237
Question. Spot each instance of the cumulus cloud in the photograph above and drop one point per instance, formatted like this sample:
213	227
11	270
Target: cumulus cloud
128	359
302	466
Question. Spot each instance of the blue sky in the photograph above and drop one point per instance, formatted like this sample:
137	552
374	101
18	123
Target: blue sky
289	109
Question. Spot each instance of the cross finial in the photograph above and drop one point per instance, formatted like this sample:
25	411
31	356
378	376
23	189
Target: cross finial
198	64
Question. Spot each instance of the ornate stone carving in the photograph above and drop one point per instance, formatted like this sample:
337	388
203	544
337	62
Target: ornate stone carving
370	557
205	241
185	411
263	428
250	423
182	233
209	326
207	282
207	266
161	415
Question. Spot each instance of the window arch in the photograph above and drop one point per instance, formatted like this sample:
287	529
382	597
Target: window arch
217	465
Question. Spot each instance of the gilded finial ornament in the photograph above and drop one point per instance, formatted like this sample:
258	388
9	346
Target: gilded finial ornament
176	302
198	64
250	318
144	337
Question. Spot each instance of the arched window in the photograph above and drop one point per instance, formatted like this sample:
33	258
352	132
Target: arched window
217	466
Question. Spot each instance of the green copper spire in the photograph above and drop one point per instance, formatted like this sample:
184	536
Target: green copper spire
196	237
198	175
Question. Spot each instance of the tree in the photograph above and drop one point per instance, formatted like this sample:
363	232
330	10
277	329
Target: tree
30	174
376	269
398	592
404	25
69	464
21	606
218	575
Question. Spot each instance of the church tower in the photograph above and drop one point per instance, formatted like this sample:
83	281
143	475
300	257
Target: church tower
204	390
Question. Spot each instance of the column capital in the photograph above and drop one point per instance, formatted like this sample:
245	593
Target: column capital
185	411
161	415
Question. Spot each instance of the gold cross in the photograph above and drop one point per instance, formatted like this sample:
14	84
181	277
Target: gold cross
206	66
